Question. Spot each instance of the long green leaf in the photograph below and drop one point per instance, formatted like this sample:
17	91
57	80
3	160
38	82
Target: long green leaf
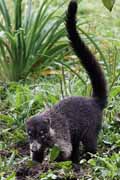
18	14
5	13
30	43
28	15
7	47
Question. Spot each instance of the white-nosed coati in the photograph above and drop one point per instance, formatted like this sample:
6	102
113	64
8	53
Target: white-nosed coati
74	119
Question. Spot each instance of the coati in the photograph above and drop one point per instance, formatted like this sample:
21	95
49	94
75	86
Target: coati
73	119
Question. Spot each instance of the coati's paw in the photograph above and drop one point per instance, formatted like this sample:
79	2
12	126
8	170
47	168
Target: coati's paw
37	156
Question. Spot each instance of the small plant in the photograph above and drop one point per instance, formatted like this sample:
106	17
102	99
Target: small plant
30	41
54	153
62	171
106	167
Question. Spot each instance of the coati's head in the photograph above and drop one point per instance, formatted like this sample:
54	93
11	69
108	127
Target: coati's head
39	132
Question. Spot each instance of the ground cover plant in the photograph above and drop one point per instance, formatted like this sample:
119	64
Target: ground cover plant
19	100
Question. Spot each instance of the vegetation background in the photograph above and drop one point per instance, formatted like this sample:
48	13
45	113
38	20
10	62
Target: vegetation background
38	68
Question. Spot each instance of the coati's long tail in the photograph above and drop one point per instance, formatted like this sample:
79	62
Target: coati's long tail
87	58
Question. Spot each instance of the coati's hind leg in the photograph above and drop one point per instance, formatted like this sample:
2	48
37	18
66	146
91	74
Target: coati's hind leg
90	144
75	152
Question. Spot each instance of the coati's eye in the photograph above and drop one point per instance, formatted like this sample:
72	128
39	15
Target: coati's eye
41	132
30	133
43	136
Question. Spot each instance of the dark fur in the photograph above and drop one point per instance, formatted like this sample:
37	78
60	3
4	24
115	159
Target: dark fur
74	119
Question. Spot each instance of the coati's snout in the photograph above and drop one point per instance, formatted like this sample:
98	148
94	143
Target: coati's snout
35	146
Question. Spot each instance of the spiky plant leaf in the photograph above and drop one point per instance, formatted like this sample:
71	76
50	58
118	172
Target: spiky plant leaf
109	4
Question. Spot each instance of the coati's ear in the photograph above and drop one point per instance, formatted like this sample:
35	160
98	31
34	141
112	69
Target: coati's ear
28	119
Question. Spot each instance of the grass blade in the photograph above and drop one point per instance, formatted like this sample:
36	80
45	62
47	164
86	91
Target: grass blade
4	11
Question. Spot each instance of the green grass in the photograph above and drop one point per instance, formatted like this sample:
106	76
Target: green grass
19	101
25	100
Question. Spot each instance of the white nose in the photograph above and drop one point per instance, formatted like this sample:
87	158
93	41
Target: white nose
35	146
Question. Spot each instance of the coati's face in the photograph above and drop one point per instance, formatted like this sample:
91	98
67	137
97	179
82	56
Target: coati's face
38	130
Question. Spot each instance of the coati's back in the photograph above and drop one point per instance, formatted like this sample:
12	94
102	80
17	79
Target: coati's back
81	113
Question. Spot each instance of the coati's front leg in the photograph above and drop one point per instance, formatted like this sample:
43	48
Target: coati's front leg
37	156
36	152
